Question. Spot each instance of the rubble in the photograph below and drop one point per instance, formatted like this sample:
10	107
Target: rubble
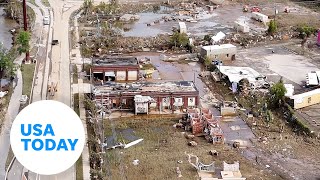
213	153
178	172
192	143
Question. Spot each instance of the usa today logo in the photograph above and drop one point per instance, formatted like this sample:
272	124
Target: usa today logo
47	137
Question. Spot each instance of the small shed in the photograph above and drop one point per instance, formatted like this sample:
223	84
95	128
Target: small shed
182	27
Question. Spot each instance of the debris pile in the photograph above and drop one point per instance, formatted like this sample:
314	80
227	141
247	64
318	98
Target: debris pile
201	122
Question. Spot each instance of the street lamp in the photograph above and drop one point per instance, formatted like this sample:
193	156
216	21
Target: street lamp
25	23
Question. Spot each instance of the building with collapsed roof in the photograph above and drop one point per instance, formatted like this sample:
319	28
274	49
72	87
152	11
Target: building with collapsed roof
235	74
143	97
115	69
219	52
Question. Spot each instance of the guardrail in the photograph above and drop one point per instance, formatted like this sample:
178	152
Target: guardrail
9	167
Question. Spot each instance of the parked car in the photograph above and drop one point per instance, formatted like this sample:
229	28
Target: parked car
46	20
255	9
54	42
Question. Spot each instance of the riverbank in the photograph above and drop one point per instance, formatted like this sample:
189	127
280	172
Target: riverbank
6	24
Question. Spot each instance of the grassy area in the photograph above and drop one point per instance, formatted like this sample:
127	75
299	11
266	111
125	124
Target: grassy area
27	76
79	169
46	3
163	146
9	158
76	103
79	166
75	74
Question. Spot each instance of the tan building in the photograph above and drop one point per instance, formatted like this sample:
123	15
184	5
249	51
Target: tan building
306	99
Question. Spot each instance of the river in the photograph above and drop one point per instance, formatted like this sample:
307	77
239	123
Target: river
5	26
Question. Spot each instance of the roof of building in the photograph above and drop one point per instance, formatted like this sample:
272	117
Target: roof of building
172	86
220	35
112	61
299	97
217	47
235	73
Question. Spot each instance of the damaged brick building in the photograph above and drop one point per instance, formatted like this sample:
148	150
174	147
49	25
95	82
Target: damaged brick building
145	97
115	69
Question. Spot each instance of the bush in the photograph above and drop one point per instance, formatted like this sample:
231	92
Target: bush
207	38
272	27
277	92
179	39
306	31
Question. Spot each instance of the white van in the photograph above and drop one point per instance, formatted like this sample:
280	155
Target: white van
46	20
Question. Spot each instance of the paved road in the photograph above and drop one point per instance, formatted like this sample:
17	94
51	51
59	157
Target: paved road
60	62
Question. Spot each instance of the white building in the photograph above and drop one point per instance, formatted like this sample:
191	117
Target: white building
260	17
182	27
241	26
219	52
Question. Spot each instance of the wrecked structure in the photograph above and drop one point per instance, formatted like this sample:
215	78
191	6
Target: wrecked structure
146	97
231	171
115	69
219	52
210	172
202	122
235	74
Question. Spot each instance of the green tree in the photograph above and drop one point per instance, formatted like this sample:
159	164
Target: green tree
179	39
6	62
207	61
277	92
272	27
23	42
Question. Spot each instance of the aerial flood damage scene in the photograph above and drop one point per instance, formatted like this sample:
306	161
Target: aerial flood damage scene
170	89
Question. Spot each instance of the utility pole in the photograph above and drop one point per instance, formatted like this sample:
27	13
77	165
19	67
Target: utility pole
25	23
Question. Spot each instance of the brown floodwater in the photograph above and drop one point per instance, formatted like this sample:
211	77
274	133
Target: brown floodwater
5	26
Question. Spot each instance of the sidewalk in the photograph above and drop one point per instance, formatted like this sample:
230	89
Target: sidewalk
12	112
85	153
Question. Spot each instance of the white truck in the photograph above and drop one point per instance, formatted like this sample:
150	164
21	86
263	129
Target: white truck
313	78
46	20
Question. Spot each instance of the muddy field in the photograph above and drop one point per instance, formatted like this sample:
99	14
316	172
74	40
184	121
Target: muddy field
163	146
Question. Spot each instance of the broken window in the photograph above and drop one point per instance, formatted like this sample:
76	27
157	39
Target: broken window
227	55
